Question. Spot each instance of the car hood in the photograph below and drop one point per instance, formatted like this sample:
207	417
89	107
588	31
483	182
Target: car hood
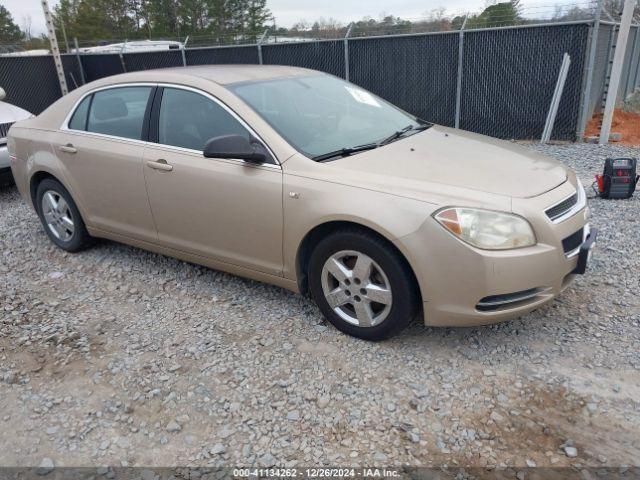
11	114
461	159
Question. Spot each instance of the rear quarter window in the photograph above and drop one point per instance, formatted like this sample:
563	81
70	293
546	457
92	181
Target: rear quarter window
79	119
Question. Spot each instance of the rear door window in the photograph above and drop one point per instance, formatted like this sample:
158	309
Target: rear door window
119	112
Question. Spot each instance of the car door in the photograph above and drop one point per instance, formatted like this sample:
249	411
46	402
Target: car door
227	210
101	148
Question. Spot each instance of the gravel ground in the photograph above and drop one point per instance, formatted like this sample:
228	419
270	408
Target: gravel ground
116	356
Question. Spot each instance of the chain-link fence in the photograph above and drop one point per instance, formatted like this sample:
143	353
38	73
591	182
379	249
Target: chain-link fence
496	81
97	66
30	82
508	84
325	55
150	60
416	72
222	55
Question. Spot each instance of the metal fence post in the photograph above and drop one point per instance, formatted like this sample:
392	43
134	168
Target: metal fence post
636	80
635	53
260	46
346	52
184	56
459	79
124	66
584	115
80	67
555	100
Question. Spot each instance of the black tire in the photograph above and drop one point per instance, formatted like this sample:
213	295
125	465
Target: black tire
80	238
405	294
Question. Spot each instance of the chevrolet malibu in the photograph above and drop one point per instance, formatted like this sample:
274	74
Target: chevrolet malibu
302	180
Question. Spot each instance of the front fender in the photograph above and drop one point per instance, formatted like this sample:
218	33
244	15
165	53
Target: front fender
310	203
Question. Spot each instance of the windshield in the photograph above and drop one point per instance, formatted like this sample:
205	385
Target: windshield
321	114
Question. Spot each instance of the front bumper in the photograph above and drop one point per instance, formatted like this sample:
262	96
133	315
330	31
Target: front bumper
465	286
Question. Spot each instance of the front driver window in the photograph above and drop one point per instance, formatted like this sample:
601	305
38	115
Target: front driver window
189	120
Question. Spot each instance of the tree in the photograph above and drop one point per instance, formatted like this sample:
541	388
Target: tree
193	16
438	21
65	13
497	15
163	18
257	17
615	8
456	22
9	31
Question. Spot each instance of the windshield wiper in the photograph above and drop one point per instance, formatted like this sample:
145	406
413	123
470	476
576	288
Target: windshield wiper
400	133
346	151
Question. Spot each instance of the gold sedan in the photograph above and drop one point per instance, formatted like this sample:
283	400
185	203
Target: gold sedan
300	179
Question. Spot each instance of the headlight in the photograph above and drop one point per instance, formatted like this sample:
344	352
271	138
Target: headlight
487	229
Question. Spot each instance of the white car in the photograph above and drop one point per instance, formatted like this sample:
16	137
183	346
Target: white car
9	114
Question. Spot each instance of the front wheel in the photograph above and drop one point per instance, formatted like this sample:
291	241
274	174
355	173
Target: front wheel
362	285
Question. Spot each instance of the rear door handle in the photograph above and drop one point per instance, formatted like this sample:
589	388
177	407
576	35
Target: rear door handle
68	148
160	165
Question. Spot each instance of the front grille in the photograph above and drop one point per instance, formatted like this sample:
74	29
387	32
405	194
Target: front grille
4	129
573	241
563	207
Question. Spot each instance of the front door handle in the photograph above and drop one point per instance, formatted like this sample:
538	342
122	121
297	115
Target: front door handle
68	148
160	165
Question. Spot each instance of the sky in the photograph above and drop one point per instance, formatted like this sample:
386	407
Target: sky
288	12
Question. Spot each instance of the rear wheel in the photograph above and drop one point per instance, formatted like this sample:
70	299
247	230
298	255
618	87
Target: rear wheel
362	285
60	216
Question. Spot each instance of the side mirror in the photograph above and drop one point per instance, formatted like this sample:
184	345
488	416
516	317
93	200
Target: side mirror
234	146
3	94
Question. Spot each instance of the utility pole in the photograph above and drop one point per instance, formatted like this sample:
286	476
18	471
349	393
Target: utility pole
616	70
51	33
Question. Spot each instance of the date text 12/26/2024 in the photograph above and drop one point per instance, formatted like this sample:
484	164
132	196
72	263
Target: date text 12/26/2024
316	472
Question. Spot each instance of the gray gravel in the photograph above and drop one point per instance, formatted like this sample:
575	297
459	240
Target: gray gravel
116	356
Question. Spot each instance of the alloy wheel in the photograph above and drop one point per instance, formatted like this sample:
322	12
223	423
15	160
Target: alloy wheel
356	288
58	215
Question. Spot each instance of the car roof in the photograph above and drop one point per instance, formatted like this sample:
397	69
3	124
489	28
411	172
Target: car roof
220	74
